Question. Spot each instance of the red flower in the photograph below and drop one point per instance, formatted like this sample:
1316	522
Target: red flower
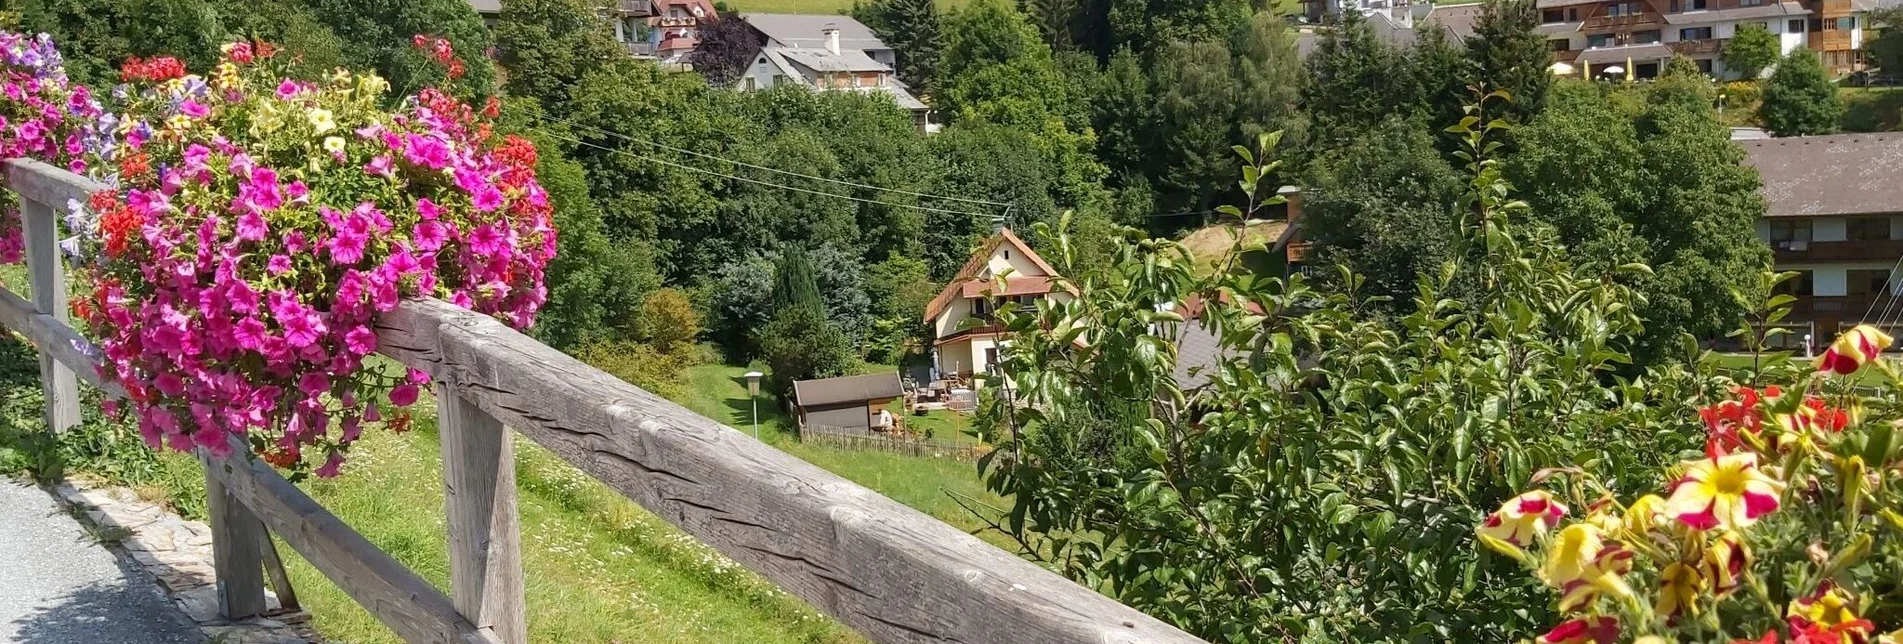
1596	630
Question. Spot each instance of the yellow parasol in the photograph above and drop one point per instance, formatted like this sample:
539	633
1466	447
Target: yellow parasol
1628	68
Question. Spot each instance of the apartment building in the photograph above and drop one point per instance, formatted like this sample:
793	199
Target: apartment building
1595	34
1835	216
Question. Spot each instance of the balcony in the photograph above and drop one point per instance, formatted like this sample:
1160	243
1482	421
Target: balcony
1848	308
1603	23
1885	250
1701	46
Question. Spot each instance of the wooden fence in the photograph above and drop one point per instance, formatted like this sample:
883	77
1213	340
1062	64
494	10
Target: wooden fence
870	442
879	567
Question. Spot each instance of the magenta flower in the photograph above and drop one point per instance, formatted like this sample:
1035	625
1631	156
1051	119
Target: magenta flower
278	265
487	199
251	227
287	90
193	109
346	249
333	465
314	384
302	331
250	334
361	340
403	395
169	384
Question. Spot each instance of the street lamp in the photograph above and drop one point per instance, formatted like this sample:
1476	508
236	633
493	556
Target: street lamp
753	394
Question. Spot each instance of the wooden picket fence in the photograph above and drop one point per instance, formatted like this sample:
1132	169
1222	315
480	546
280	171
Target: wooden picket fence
879	567
871	442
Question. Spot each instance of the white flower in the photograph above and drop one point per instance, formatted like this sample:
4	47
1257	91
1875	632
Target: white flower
334	145
322	120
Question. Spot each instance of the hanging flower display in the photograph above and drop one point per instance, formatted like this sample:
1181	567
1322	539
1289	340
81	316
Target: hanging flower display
256	226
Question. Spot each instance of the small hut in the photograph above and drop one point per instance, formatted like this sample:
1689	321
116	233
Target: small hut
848	405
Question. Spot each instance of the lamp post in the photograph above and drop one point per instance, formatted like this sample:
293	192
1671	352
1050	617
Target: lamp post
753	394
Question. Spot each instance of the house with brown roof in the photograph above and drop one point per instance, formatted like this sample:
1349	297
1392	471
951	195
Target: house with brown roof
1004	270
1835	216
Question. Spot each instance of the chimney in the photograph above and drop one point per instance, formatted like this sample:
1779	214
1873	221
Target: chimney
1293	194
832	39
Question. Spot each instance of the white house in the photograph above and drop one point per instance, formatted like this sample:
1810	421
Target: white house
965	339
826	53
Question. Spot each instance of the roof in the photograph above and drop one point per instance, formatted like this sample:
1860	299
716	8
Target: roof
979	259
486	6
808	30
1210	245
1740	13
1749	134
849	389
1551	4
898	93
1841	174
1648	52
821	60
1459	20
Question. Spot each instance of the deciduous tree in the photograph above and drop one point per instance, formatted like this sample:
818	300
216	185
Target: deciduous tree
1750	50
1799	99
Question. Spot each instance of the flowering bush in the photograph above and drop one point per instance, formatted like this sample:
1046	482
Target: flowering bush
44	116
257	225
1784	531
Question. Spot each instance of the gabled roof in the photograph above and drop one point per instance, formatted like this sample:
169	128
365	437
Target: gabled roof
849	389
808	30
979	260
1741	13
821	60
1840	174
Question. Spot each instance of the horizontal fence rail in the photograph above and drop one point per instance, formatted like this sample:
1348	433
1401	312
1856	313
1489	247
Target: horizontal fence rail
884	569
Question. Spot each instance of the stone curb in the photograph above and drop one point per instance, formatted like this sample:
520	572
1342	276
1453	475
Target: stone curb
178	554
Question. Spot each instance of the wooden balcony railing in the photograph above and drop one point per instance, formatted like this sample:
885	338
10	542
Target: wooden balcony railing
1886	250
879	567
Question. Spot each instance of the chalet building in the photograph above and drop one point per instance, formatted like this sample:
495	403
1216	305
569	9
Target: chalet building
965	338
1835	216
827	53
1645	34
674	27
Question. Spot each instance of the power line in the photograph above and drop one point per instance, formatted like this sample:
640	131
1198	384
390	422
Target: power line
790	173
769	184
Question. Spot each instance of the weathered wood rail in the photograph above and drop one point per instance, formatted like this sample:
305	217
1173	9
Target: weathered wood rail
879	567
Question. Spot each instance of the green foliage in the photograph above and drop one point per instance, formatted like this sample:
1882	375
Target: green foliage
1323	485
1885	44
1355	81
793	284
377	34
1799	99
1384	204
739	297
899	289
96	36
801	344
548	45
911	28
1750	50
1508	53
1663	186
669	321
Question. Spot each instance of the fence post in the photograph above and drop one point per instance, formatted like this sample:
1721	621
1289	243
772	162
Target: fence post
237	549
485	541
48	277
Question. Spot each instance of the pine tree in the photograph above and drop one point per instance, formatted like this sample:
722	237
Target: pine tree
911	27
1509	54
793	283
1799	100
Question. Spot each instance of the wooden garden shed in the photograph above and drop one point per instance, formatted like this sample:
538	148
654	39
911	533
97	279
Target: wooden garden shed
849	404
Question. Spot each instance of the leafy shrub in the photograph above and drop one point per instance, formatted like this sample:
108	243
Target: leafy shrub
801	344
1319	482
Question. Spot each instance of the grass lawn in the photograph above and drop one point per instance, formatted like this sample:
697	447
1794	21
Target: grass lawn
1872	109
600	569
815	6
926	484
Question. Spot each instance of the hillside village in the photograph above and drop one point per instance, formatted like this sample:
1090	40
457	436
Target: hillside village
1206	320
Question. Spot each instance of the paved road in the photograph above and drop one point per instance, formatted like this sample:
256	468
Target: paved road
57	587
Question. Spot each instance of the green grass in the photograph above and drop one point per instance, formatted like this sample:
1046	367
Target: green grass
600	569
929	485
1872	109
814	6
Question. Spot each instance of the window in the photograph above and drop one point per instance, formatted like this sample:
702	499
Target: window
1560	44
1598	40
1790	230
1695	33
981	308
1695	5
1645	37
1847	23
1572	14
1867	281
1551	16
1704	66
1646	70
1750	3
1868	228
1796	26
1617	9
